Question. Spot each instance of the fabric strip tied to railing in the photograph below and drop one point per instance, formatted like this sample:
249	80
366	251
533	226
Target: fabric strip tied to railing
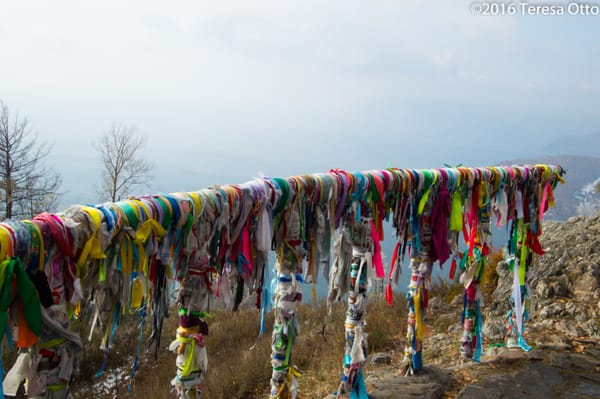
105	252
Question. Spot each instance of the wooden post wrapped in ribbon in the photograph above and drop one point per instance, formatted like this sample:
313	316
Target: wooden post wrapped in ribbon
193	271
474	260
417	294
355	351
287	295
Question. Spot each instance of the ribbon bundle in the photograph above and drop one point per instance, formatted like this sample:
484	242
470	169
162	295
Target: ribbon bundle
119	257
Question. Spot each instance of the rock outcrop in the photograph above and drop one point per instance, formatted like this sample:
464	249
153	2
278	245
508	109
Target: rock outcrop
564	282
564	329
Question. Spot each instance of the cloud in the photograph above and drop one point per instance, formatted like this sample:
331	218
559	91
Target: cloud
443	58
239	86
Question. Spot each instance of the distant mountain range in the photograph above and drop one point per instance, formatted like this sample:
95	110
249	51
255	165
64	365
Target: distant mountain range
576	144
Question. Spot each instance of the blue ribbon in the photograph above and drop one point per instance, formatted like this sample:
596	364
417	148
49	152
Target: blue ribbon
9	339
265	305
478	348
110	339
520	340
359	388
273	287
139	346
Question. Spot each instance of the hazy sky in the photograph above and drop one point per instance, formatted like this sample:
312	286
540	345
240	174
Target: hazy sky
225	90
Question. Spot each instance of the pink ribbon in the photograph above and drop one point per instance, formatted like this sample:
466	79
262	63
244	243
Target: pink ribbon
377	260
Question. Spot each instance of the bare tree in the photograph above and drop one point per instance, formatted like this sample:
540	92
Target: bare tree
27	186
123	168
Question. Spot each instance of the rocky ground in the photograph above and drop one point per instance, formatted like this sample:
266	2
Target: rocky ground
564	330
554	369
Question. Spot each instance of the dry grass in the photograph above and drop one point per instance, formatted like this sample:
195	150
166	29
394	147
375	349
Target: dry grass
320	350
445	290
235	370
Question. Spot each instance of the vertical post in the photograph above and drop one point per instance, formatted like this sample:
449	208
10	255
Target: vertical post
476	260
355	352
191	361
287	295
416	297
59	348
470	343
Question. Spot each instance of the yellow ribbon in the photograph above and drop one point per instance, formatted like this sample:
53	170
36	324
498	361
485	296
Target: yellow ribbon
482	194
197	204
137	293
547	171
456	216
292	372
523	259
141	236
418	318
52	343
550	196
183	340
149	226
423	201
92	246
144	208
56	387
143	258
126	255
4	243
8	246
95	215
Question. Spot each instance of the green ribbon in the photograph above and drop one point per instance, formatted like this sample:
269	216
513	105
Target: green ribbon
285	194
10	268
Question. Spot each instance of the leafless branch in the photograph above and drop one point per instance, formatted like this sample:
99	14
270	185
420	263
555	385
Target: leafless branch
27	185
123	168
